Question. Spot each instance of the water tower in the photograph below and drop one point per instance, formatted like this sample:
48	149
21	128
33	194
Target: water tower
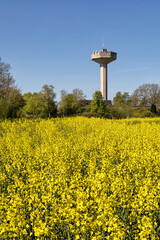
103	57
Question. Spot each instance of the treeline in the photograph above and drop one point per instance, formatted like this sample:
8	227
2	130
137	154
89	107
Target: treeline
144	102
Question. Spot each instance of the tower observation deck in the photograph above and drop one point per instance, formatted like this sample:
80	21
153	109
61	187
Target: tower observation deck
103	57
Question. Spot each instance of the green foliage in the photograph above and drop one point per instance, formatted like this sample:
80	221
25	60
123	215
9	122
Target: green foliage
153	108
33	106
4	107
97	103
87	108
118	112
48	98
40	104
15	101
122	105
108	112
90	114
71	103
146	94
121	99
10	97
142	113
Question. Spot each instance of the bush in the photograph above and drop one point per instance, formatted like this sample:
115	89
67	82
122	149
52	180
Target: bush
142	113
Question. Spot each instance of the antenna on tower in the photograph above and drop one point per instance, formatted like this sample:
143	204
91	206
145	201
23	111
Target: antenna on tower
103	42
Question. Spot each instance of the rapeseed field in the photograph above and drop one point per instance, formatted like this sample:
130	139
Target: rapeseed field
80	178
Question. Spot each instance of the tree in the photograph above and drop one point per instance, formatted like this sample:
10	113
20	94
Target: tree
146	95
122	105
48	98
4	107
97	103
71	103
62	105
78	94
78	97
40	104
33	105
121	99
10	95
6	80
15	102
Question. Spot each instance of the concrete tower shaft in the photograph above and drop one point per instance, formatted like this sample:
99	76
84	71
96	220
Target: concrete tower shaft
103	79
103	57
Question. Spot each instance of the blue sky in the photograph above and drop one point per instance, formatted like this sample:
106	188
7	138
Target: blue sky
50	42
